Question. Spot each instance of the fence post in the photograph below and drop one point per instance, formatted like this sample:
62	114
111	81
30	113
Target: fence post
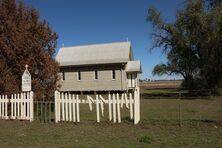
74	107
131	106
28	105
66	107
110	106
180	122
3	112
16	106
0	106
77	108
118	108
63	108
70	101
114	108
97	109
31	106
6	107
21	105
11	107
136	105
56	107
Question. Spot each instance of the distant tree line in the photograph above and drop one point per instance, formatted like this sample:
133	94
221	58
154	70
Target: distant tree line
192	43
26	39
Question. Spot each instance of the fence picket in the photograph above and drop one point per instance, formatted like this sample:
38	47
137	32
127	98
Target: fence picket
131	106
63	109
97	109
15	105
59	106
3	111
27	102
0	106
56	106
114	108
23	95
118	108
6	107
73	108
110	107
31	106
12	104
70	113
77	108
136	106
19	106
66	107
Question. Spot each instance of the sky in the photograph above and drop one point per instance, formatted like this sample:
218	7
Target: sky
80	22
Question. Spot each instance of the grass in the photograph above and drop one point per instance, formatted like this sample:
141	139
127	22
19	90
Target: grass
159	127
159	91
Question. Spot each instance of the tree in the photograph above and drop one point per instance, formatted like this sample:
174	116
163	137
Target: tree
213	3
192	44
26	39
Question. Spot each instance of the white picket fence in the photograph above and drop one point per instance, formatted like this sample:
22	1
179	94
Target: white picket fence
4	101
67	106
21	106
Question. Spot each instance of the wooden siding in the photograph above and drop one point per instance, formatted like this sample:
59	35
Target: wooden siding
88	83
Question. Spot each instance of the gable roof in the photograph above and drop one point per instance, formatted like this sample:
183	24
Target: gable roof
133	66
108	53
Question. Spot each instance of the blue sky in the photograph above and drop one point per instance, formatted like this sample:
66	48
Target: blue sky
79	22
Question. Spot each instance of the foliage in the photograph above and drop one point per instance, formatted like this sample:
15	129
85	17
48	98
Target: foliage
192	43
26	39
213	3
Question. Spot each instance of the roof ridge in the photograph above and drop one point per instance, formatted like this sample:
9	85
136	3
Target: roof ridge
96	44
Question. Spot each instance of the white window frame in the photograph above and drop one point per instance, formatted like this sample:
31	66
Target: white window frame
79	74
112	75
96	71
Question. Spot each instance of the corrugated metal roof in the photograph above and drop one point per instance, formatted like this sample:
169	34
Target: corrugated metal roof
133	66
108	53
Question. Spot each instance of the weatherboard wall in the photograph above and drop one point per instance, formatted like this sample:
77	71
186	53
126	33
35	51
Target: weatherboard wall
88	81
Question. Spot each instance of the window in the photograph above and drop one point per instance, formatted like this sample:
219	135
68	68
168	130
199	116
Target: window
113	74
96	75
79	76
63	75
132	80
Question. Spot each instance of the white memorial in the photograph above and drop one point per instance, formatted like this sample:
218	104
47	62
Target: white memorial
26	80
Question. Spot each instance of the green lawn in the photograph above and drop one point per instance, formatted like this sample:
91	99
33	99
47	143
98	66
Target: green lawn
159	127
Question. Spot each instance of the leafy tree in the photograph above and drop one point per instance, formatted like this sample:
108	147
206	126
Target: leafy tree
213	3
192	44
26	39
